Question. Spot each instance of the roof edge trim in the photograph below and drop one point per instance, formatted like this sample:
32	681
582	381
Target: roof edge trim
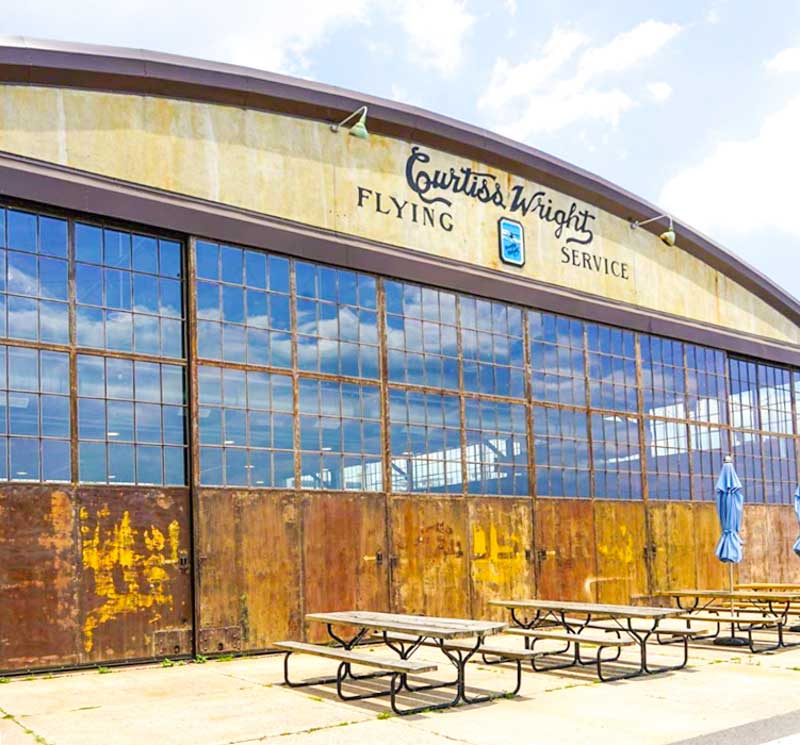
92	67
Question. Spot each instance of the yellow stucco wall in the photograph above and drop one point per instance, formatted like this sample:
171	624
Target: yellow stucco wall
298	169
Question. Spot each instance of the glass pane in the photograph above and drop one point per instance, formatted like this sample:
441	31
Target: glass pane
53	278
207	257
119	375
91	419
22	274
148	422
117	249
90	327
56	460
92	462
148	465
23	369
91	376
53	322
147	381
120	421
53	237
22	318
24	456
21	230
119	331
88	246
145	254
172	384
55	416
211	466
235	467
174	466
23	414
170	258
121	464
171	338
55	372
145	334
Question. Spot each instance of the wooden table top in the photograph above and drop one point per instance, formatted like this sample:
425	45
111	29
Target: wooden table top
769	586
594	609
429	626
732	595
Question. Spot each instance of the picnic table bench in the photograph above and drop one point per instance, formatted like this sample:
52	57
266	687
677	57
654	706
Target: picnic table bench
593	624
742	610
457	638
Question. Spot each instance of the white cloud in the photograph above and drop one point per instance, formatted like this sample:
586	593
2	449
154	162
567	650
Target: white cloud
787	60
437	30
745	185
509	82
659	91
541	96
287	32
712	16
271	36
628	49
511	6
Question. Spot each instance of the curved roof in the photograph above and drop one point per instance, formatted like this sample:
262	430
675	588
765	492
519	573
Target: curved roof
37	62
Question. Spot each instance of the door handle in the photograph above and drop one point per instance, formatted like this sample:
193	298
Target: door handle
183	560
378	558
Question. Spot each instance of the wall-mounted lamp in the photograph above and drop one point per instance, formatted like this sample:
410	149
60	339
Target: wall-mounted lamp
359	129
668	236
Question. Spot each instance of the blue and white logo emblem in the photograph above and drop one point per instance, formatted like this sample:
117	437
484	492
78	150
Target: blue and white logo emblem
512	241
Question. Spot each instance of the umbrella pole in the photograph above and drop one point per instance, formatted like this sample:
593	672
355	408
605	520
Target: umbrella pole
730	568
732	640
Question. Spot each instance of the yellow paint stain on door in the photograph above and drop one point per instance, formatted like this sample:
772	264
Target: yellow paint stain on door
129	568
494	561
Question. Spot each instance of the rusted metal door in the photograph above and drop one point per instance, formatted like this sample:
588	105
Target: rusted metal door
621	556
39	578
345	557
500	553
711	572
249	570
430	568
564	549
93	575
671	545
135	573
784	565
757	545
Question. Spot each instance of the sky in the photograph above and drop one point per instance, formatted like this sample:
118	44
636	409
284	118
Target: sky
693	105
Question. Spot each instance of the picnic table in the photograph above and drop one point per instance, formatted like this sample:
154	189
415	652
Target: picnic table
457	638
770	608
622	625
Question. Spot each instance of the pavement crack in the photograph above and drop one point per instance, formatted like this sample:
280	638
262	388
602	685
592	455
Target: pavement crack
299	732
27	730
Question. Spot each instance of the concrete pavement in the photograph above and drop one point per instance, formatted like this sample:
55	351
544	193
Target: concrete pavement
723	696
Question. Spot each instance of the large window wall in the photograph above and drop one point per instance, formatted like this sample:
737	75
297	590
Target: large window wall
93	364
317	378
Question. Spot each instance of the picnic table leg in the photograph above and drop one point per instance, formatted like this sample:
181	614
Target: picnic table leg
405	652
314	681
348	644
643	639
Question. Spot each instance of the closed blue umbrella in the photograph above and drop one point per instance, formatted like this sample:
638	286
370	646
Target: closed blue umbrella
796	546
730	505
